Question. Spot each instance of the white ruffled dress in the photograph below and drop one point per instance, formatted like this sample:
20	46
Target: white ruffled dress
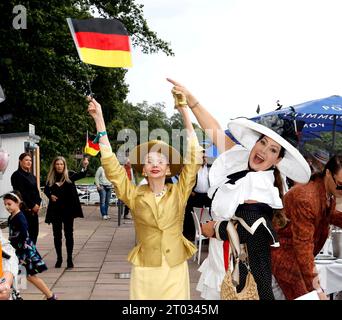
258	186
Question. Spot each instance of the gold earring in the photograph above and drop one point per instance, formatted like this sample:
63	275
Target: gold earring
144	174
168	172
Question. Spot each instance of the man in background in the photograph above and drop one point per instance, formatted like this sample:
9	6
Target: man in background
104	188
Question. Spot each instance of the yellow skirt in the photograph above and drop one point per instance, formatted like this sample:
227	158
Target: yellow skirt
160	283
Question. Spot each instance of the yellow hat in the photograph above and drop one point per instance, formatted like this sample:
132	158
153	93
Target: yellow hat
138	154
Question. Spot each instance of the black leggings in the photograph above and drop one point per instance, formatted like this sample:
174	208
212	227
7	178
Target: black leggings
57	225
259	254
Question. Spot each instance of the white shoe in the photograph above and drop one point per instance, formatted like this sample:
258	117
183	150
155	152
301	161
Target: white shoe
105	217
108	217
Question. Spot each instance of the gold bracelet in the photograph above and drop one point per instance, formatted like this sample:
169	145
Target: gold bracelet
194	105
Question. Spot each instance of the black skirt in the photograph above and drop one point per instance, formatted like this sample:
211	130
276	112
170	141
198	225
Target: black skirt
253	216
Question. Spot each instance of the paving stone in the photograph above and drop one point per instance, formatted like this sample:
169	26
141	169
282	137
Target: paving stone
79	276
79	268
100	253
32	296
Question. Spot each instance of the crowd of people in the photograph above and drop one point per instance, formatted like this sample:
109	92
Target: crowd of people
281	227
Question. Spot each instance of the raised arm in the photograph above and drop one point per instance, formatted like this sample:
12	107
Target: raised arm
193	158
205	119
74	176
114	172
95	110
186	120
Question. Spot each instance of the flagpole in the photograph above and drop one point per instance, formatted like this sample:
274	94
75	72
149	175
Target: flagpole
91	94
84	148
88	81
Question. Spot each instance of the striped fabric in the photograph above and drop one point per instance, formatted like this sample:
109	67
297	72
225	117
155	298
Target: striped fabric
102	42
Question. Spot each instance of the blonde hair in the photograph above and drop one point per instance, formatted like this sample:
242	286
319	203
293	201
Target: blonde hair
52	175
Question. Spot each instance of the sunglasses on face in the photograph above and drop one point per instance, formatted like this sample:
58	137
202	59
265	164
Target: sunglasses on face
338	186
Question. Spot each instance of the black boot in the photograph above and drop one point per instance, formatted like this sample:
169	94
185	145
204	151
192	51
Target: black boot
58	263
69	242
70	247
70	264
58	248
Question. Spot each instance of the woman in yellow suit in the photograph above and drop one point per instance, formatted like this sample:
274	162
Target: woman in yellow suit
160	269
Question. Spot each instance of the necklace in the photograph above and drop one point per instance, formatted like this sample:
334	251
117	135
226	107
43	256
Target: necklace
159	194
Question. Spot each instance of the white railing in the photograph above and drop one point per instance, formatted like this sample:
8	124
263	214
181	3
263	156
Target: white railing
89	195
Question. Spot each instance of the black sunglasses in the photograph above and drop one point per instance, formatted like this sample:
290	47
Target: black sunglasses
338	186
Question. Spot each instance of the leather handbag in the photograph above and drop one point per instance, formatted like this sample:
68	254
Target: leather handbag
232	278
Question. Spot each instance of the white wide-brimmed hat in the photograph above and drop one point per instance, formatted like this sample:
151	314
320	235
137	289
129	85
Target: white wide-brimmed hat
293	165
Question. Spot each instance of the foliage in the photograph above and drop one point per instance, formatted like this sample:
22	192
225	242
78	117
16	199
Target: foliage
44	80
325	143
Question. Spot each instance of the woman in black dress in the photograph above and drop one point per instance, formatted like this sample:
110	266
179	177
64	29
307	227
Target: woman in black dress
25	182
64	205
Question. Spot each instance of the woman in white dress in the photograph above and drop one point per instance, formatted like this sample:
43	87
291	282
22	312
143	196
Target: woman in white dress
246	186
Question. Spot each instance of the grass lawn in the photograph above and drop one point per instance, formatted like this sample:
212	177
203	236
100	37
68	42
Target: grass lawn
86	180
90	180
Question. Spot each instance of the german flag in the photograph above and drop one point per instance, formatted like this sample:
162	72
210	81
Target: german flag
102	42
92	147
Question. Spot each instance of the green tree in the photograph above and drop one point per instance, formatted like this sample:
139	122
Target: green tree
44	80
324	142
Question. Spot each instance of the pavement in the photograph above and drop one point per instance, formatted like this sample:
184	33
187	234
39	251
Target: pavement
101	270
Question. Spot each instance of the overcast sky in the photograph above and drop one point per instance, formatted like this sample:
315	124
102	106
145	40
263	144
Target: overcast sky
236	54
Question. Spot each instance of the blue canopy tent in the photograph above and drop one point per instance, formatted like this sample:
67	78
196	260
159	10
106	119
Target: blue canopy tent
321	115
206	143
212	151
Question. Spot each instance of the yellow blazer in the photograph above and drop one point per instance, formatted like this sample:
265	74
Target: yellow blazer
159	226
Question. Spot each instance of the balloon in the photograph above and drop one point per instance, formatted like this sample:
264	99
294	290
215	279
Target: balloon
4	158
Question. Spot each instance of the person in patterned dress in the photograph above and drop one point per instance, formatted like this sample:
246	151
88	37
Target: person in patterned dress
303	228
25	249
